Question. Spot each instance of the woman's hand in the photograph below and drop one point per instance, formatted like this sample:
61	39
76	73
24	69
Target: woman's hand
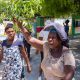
29	68
17	22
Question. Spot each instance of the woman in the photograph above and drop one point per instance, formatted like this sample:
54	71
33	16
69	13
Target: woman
58	62
12	50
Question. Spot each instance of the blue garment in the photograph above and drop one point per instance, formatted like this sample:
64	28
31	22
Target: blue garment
66	27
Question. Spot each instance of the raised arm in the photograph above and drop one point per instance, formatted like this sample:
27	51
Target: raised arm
38	44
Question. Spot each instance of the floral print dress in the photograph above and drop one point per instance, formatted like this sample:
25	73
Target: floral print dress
13	64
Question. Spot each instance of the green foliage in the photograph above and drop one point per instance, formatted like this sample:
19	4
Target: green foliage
76	9
57	8
23	9
19	8
16	28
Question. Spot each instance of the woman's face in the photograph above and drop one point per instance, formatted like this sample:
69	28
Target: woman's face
10	33
53	40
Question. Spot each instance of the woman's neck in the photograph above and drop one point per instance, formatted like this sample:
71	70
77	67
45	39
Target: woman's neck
59	48
57	52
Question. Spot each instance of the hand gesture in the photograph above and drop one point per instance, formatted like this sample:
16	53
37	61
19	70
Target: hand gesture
17	22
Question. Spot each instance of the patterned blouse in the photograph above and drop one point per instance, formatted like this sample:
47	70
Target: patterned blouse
12	57
53	68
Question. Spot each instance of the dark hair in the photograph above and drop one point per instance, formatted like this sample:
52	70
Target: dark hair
9	25
67	21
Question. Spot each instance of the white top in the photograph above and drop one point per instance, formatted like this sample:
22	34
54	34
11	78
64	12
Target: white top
44	35
53	68
20	36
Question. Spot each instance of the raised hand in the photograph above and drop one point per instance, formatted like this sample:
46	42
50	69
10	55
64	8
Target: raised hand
17	22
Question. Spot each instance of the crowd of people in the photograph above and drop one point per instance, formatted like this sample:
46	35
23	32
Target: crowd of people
57	60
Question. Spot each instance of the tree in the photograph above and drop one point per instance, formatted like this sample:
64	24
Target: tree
19	8
27	8
76	7
57	8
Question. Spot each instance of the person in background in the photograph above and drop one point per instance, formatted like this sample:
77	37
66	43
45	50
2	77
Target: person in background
25	43
66	27
58	62
27	46
11	52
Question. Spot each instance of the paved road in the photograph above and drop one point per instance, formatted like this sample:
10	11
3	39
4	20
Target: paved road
75	46
35	62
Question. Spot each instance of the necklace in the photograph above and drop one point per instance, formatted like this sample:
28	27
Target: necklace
56	53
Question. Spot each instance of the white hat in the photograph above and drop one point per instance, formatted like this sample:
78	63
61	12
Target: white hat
47	22
59	28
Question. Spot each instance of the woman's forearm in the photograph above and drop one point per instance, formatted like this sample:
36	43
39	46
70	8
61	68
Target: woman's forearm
1	54
1	57
27	60
25	56
34	42
26	33
38	44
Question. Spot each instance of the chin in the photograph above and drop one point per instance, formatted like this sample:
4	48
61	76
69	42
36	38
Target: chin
52	47
11	38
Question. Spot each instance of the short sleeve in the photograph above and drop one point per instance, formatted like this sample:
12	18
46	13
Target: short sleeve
18	43
21	43
69	58
3	43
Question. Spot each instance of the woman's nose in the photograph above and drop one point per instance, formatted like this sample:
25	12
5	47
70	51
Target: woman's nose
50	39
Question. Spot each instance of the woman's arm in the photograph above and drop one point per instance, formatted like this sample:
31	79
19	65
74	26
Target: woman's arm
38	44
1	54
40	38
25	56
69	64
69	72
